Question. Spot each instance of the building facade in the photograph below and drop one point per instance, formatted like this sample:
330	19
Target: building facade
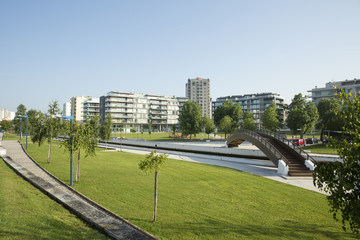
91	107
198	90
79	112
131	110
6	115
67	109
330	89
255	103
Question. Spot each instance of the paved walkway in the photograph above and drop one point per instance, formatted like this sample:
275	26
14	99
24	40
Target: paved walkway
103	219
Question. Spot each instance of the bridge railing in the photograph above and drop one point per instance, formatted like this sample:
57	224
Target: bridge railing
289	143
273	149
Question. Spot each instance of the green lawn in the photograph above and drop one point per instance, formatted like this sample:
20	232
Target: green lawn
10	136
199	201
320	148
27	213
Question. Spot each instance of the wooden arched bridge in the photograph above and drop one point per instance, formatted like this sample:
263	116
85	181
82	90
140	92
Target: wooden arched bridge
275	148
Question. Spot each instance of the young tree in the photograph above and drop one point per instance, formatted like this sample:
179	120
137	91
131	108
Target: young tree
105	129
234	111
248	121
150	130
302	115
5	125
209	125
340	180
227	125
152	162
190	119
21	111
48	127
174	130
270	118
84	138
133	130
33	120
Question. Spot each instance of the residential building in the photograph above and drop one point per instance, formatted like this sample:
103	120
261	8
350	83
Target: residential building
77	107
330	89
67	109
6	115
131	110
198	90
182	101
256	103
91	107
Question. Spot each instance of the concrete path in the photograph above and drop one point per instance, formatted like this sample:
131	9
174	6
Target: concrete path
264	168
88	210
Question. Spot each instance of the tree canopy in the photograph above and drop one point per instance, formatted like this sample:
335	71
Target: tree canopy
302	115
48	127
228	108
208	125
340	180
227	125
328	119
105	129
20	111
248	121
84	138
190	119
270	119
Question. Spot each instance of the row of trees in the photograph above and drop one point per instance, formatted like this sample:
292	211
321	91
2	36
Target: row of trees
45	127
227	117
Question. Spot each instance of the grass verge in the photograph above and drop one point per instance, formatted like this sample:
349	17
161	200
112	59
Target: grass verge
320	148
198	201
27	213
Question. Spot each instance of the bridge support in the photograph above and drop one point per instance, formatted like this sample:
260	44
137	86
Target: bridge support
283	169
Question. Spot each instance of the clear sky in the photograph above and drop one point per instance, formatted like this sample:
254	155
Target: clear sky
57	49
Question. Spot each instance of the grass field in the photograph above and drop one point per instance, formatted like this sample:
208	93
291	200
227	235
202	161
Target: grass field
320	148
199	201
27	213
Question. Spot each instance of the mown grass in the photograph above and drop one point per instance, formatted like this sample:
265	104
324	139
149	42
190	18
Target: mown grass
27	213
320	148
198	201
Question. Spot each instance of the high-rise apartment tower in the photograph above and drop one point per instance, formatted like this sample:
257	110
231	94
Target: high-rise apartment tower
198	90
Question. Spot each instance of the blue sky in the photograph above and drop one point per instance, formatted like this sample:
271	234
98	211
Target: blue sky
53	50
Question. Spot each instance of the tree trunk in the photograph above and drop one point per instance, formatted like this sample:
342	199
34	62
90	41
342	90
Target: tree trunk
49	153
77	176
155	196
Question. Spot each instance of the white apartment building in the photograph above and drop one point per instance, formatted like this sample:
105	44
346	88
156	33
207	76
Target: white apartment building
329	90
6	115
67	109
255	103
91	107
198	90
77	107
131	110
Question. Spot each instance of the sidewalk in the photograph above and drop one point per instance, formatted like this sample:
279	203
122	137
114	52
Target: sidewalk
78	204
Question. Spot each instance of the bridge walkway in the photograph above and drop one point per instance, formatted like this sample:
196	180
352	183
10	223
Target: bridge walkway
275	148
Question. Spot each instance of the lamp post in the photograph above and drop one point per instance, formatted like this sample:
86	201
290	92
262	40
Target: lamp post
20	126
71	118
27	117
